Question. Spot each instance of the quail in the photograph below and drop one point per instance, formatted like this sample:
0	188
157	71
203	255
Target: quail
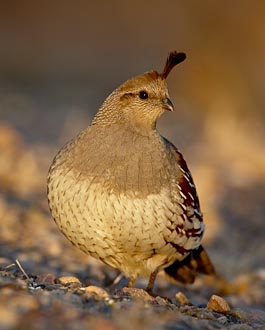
123	193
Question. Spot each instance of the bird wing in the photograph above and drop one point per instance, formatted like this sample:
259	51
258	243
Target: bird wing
197	260
187	190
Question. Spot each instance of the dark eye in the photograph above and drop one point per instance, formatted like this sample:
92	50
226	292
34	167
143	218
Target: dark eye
143	95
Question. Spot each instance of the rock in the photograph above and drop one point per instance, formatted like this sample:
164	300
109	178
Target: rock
182	299
136	293
218	304
46	279
161	301
69	280
95	290
222	319
240	314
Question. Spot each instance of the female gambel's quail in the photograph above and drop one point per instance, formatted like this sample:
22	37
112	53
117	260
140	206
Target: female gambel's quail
123	193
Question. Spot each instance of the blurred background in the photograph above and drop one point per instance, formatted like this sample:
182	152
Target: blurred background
59	60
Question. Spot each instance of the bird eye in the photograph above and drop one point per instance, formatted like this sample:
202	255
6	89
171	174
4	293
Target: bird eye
143	95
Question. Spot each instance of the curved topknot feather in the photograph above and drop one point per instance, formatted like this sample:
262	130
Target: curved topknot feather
173	59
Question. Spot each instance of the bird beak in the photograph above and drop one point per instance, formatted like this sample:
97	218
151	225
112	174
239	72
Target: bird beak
168	105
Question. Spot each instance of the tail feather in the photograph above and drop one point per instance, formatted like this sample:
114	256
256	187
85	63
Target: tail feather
186	270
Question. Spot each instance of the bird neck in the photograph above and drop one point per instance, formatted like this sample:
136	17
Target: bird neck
108	118
140	128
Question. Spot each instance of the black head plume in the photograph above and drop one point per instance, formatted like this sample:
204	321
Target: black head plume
173	59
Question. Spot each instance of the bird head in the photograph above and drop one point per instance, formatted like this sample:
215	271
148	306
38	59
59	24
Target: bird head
141	100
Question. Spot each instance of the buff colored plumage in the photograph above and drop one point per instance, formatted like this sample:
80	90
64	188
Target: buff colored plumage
123	194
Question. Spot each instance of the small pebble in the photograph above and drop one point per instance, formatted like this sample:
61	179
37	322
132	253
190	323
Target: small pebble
46	279
240	314
222	319
182	299
67	280
95	290
161	301
218	304
137	293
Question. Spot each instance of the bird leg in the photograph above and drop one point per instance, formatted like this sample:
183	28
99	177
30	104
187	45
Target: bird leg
131	282
151	281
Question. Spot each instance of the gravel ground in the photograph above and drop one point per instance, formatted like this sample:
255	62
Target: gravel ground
52	285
